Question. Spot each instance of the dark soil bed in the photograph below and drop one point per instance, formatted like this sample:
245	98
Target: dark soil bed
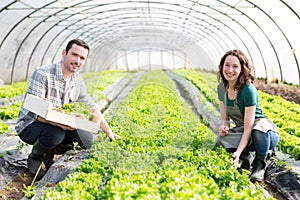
286	92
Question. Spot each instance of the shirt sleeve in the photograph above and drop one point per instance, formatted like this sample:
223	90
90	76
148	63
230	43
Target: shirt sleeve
221	92
37	84
249	95
36	87
84	96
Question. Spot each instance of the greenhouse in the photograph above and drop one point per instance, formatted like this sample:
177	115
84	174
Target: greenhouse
154	70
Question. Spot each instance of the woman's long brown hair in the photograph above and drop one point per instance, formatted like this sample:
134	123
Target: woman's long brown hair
246	76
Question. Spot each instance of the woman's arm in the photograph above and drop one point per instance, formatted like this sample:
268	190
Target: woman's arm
249	119
224	119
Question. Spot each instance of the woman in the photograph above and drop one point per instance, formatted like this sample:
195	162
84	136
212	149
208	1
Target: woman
239	103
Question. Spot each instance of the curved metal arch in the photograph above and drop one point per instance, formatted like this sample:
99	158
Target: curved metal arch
270	42
43	35
150	49
244	30
33	50
20	46
189	34
266	71
40	39
66	28
137	13
241	40
228	27
210	24
8	5
157	2
223	32
69	26
96	30
113	50
276	54
286	38
196	3
19	22
111	44
16	55
44	20
62	30
36	26
123	27
185	14
59	46
233	31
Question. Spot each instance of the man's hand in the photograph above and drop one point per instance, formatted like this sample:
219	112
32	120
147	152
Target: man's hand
99	119
65	127
113	136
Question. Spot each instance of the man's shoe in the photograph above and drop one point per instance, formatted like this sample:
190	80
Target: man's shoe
35	166
34	161
48	160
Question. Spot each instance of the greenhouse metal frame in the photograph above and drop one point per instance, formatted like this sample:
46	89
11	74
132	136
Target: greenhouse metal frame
149	34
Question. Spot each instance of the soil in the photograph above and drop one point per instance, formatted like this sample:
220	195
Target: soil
15	189
287	92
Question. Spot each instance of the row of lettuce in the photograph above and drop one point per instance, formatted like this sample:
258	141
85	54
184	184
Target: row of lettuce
285	114
95	82
165	152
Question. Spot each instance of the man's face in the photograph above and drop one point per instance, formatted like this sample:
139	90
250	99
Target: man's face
75	58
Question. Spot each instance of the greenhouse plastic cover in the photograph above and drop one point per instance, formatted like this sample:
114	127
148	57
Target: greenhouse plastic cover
139	35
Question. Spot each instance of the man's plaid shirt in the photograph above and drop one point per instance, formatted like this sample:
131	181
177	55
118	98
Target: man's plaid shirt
48	82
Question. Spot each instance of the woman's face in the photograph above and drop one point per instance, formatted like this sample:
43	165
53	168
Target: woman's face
232	68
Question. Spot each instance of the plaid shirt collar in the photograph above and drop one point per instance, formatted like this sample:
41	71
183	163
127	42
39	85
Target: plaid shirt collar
58	72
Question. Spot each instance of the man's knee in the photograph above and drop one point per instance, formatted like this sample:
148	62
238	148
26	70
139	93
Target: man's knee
52	136
87	139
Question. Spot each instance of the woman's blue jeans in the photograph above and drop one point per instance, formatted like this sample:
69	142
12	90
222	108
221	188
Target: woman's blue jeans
263	142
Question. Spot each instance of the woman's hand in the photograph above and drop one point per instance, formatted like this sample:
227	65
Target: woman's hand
235	159
224	130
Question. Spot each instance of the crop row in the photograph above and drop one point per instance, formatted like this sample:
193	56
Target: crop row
165	152
95	82
12	90
285	114
205	82
7	93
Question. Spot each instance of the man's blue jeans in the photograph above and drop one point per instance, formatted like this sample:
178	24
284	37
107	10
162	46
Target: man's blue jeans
51	136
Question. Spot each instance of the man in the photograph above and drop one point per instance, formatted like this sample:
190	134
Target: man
59	83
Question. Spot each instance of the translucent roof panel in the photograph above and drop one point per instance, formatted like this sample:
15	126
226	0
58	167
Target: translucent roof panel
133	34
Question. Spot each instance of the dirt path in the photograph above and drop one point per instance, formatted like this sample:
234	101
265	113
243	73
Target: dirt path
15	189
